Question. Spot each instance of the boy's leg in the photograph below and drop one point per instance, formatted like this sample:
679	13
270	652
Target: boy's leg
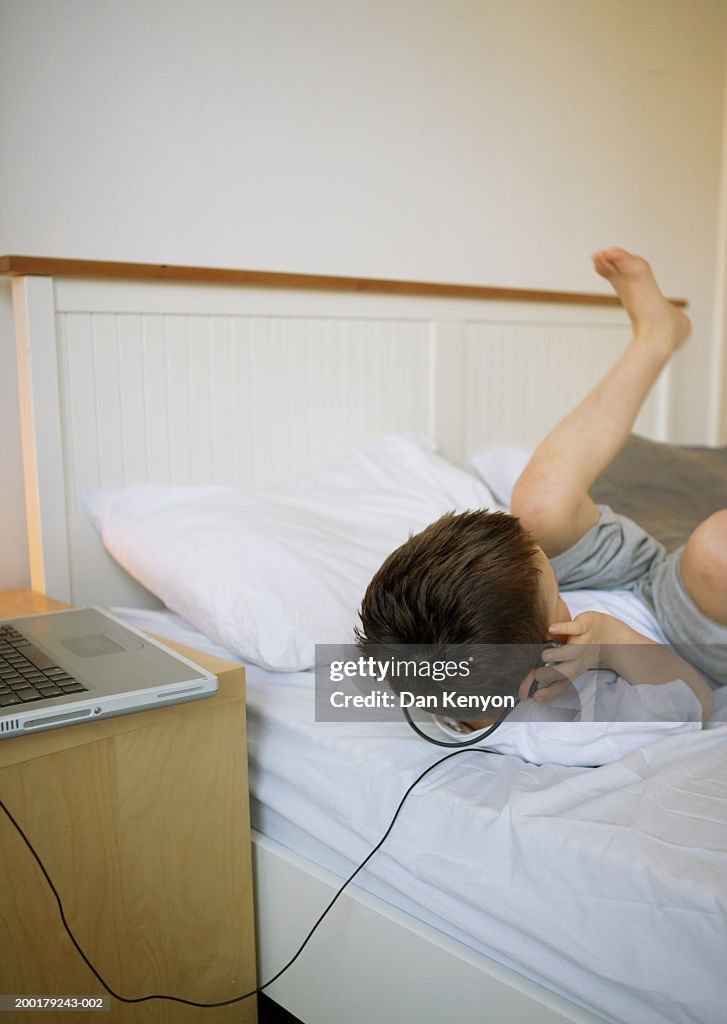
703	566
551	497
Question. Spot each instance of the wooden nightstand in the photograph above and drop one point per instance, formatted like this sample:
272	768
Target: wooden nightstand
142	822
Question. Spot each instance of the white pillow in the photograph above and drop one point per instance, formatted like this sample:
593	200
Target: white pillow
270	573
499	469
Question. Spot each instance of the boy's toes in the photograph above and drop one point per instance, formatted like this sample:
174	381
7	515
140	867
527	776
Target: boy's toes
603	263
616	255
616	261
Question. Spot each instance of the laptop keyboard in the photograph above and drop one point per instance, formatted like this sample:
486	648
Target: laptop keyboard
27	674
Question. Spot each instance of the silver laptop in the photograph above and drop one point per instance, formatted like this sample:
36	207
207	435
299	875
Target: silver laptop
73	666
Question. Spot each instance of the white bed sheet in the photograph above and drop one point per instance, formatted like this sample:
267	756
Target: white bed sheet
607	885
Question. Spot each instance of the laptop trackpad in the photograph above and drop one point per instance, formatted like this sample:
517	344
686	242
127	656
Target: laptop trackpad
102	643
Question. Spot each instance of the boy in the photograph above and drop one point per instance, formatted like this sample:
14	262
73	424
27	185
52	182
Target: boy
491	578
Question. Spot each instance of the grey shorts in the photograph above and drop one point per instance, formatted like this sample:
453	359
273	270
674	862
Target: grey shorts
616	554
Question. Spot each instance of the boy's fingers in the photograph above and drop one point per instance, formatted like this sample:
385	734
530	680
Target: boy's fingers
572	628
547	676
554	690
568	652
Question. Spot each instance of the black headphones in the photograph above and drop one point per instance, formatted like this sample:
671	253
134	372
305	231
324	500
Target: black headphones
498	722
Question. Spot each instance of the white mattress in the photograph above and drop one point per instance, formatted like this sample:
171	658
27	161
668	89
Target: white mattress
607	885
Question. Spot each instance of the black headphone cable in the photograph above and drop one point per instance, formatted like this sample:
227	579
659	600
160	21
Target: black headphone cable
260	988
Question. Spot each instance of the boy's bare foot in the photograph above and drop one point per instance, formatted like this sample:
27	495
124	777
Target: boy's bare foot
651	314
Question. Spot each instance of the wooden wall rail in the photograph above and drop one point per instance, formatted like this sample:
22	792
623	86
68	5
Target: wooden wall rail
43	266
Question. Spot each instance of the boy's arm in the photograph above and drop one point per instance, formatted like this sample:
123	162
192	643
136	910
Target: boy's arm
607	642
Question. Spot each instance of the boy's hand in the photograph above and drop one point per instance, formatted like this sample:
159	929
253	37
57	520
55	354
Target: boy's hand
580	651
595	640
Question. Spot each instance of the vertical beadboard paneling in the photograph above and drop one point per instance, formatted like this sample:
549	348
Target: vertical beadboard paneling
222	396
79	407
230	399
131	338
252	382
179	391
522	378
198	390
153	402
109	414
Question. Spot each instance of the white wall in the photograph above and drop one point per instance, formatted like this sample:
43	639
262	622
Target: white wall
472	141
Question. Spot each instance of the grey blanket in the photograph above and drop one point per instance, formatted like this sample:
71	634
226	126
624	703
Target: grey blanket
668	489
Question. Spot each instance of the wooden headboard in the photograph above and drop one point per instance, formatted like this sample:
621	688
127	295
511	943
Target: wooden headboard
131	375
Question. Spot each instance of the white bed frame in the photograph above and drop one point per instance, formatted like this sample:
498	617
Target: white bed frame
124	382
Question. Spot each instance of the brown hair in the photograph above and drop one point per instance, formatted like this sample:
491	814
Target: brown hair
468	578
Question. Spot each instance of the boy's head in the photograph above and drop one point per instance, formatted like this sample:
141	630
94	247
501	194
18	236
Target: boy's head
472	578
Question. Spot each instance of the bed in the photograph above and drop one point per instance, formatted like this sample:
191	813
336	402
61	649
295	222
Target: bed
553	894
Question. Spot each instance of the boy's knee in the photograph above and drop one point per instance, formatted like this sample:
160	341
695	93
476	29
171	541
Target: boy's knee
705	556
